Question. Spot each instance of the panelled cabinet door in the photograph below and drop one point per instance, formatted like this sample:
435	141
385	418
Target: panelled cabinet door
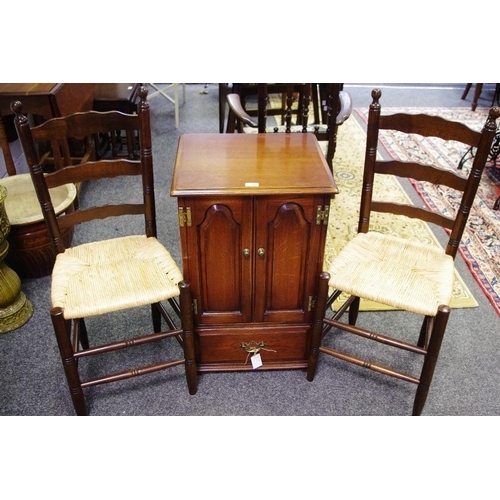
288	249
253	259
217	241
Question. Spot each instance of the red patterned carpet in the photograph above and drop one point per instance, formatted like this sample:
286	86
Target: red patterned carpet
480	246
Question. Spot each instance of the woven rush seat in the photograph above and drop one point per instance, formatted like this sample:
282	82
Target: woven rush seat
106	276
394	271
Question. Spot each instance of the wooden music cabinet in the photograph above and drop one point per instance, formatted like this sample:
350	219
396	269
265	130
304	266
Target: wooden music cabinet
253	214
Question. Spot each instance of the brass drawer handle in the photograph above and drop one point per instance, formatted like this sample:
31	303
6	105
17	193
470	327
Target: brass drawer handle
261	252
254	347
246	253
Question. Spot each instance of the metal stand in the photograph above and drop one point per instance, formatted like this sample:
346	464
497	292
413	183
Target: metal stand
174	100
492	157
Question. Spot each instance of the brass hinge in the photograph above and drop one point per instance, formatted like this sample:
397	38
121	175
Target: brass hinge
195	307
312	303
322	215
185	217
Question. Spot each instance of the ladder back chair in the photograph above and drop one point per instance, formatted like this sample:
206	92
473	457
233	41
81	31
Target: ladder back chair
387	269
330	103
116	274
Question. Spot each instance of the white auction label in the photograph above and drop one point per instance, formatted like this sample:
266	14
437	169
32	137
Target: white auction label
256	361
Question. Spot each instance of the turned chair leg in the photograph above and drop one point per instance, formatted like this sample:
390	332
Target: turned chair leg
82	332
477	94
187	323
231	123
431	357
156	315
62	328
353	311
466	91
332	146
317	329
425	331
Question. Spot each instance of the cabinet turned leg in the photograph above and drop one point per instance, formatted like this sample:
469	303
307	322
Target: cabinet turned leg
317	328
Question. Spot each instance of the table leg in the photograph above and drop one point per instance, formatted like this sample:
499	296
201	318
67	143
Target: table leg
477	93
4	144
222	106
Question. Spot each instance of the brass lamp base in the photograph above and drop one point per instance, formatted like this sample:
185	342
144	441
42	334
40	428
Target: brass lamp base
15	315
15	309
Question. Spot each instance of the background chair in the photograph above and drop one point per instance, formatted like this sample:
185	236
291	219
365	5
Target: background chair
330	104
109	275
278	99
388	269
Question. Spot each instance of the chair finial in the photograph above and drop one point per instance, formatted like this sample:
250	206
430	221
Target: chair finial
376	95
16	107
143	92
494	113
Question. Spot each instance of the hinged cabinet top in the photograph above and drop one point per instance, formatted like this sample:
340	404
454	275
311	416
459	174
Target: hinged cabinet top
250	164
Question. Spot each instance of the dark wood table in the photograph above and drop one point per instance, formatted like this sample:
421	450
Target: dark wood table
47	100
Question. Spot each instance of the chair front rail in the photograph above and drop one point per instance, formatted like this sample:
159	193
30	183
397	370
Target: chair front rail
382	339
132	373
115	346
371	366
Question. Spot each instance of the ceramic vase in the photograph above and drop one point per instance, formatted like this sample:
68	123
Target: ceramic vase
15	308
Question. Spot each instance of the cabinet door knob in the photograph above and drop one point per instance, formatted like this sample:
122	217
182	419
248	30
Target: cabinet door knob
246	252
261	252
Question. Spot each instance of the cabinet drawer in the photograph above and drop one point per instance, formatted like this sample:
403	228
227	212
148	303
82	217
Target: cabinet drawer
279	346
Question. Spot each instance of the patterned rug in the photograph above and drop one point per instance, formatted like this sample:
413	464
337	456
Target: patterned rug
480	245
348	171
